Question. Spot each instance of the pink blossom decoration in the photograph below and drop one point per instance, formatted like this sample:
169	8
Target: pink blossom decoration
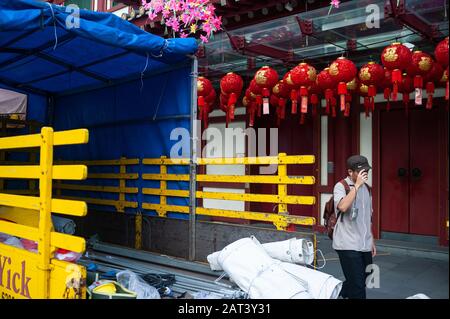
186	16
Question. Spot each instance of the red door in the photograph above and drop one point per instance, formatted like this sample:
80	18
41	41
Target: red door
410	172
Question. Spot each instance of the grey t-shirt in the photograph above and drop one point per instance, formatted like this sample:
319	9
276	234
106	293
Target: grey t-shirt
353	234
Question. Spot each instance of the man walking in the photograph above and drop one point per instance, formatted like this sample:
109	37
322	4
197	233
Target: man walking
352	237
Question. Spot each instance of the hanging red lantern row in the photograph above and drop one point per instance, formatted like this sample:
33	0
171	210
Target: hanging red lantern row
396	57
342	70
327	84
231	88
441	55
406	87
421	65
280	95
303	76
205	99
371	75
266	78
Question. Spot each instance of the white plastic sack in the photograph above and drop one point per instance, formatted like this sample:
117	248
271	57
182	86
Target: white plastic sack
320	285
297	251
255	272
133	282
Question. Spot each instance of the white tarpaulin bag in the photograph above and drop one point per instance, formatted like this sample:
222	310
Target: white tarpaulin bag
297	251
255	272
320	285
248	255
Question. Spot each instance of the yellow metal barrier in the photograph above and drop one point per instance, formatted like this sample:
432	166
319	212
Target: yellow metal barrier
280	220
120	203
29	275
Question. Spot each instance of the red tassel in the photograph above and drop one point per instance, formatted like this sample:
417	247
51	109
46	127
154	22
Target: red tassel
282	106
266	92
304	99
396	78
418	82
342	91
387	95
294	98
430	91
406	102
259	102
253	107
328	98
372	91
446	92
314	102
366	105
333	106
302	118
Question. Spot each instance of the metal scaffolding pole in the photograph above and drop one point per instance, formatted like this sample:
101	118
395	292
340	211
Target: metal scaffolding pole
193	160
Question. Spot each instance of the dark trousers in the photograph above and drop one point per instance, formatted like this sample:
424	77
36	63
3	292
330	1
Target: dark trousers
354	265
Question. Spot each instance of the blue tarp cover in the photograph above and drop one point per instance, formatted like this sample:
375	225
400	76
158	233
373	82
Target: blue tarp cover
43	47
128	87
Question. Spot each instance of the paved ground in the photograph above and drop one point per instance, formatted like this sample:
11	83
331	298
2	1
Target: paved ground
401	275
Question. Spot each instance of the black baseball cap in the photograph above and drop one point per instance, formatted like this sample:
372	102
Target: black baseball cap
358	163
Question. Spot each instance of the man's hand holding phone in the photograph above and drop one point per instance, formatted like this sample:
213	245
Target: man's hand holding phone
361	179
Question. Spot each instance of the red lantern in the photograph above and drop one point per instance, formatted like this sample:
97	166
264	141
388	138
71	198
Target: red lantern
371	75
342	70
204	90
441	52
396	57
421	64
266	78
327	83
231	87
303	76
281	93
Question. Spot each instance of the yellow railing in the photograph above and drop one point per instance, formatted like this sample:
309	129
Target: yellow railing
281	220
39	275
121	179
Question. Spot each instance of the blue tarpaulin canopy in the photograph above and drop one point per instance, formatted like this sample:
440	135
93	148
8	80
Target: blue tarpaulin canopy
130	88
47	49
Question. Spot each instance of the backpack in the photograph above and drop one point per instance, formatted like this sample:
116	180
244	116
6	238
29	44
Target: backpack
329	213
